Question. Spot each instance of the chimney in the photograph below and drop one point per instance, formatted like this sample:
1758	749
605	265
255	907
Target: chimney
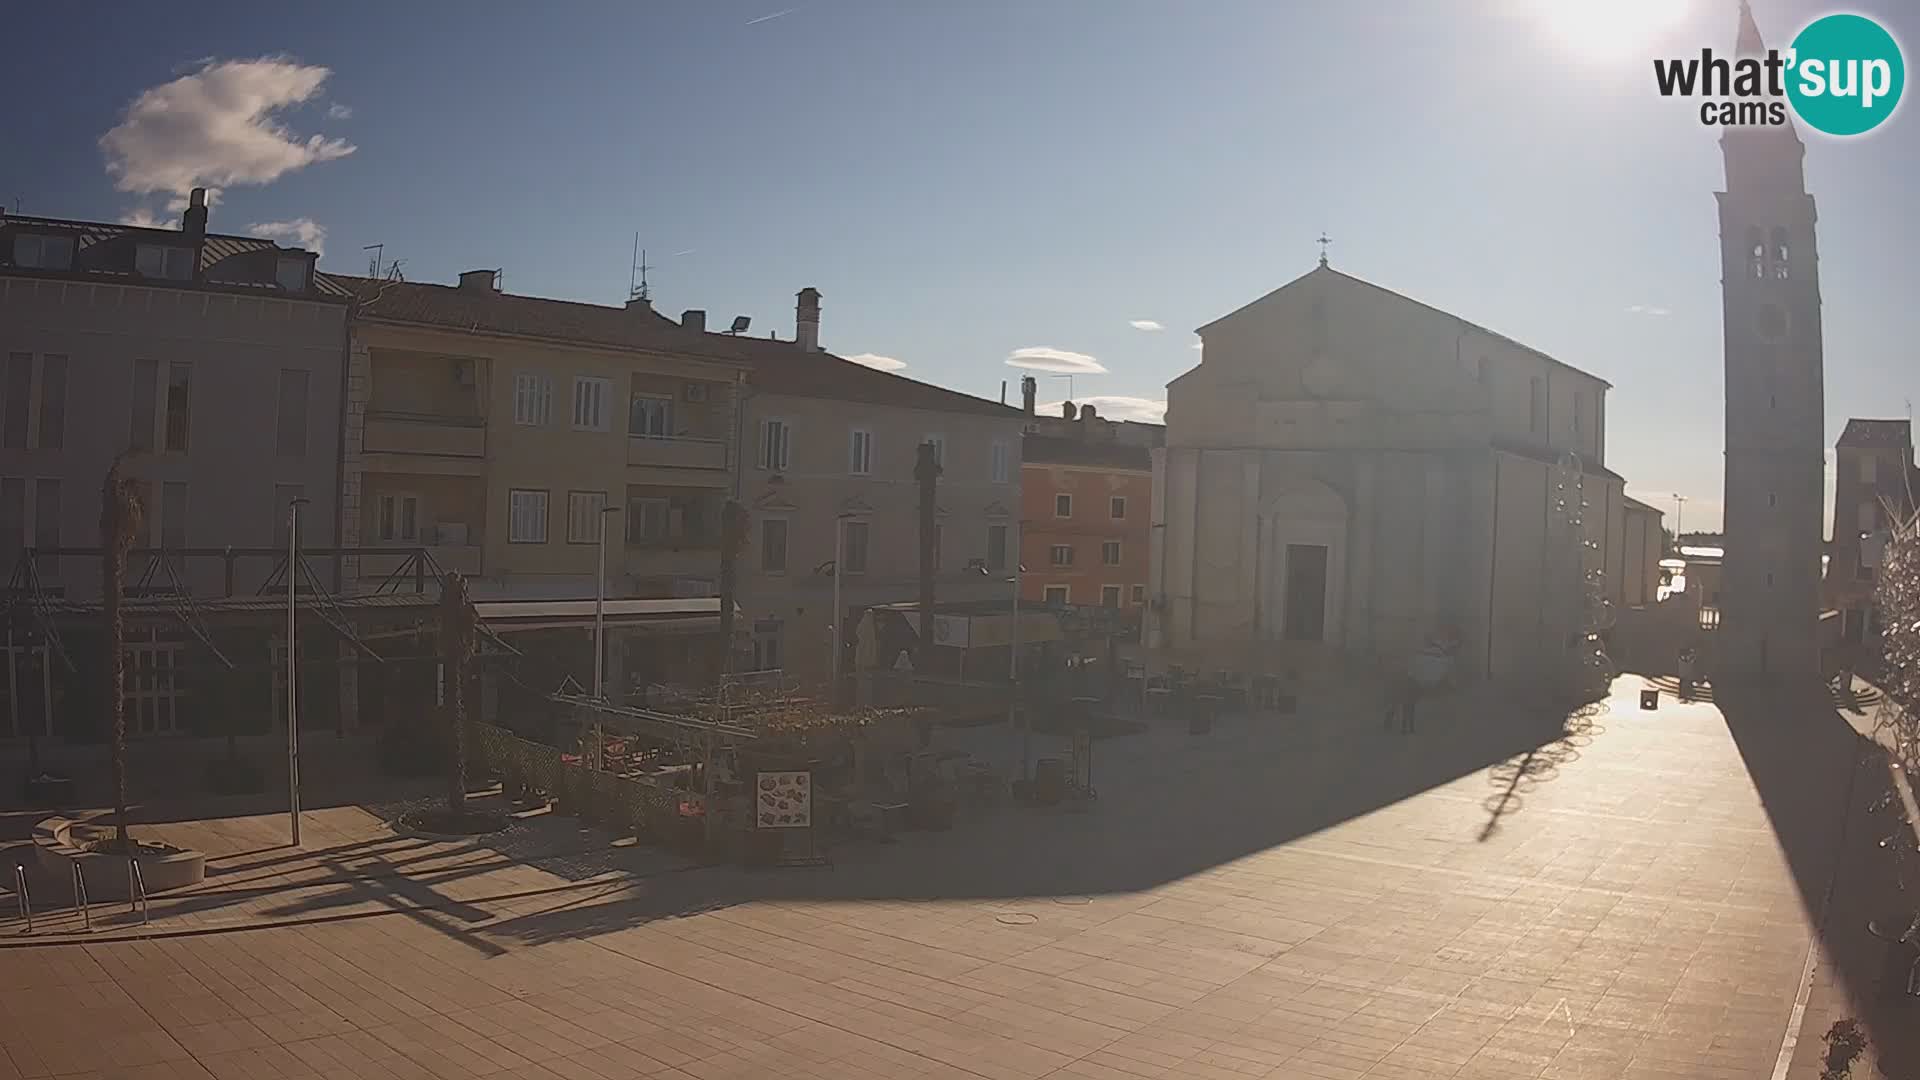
1066	409
194	221
806	319
639	303
694	319
1029	388
1089	422
477	280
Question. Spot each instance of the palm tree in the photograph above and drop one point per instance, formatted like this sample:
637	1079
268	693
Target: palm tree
457	631
120	513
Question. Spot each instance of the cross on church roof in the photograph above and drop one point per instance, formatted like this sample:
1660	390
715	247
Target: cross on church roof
1323	242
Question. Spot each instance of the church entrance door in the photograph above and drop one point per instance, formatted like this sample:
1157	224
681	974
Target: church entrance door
1306	610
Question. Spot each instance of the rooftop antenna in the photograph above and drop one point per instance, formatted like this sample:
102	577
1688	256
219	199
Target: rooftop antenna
637	288
373	265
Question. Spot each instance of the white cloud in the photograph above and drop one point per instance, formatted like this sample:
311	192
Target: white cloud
337	111
1145	324
1048	358
1648	309
218	127
877	362
304	232
1115	407
142	218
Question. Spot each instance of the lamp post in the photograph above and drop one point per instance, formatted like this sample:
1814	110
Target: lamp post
293	669
599	608
1013	657
1679	508
839	611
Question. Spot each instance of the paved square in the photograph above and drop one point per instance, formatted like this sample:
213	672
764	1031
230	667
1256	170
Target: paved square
1287	897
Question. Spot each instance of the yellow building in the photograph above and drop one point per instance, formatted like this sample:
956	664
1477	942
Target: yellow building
498	432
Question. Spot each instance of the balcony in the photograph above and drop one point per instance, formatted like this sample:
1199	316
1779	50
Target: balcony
676	452
425	434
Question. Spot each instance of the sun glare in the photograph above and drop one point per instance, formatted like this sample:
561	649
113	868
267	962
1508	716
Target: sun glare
1610	29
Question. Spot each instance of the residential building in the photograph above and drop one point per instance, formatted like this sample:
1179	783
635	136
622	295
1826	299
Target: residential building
1874	481
1348	471
503	433
215	363
1775	411
1086	497
1642	546
827	479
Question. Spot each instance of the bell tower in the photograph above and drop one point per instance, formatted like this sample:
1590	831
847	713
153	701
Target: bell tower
1775	402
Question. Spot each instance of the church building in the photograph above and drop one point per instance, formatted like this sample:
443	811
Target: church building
1348	471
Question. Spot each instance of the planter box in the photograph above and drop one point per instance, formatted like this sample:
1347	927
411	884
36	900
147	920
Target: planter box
105	872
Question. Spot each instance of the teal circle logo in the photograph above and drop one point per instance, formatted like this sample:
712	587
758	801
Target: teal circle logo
1845	75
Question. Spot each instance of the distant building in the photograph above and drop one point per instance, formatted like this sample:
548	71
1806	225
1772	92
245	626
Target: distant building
1087	508
1874	481
1349	470
1643	546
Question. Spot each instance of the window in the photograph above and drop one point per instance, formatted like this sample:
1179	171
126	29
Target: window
1110	596
13	513
173	515
1868	516
53	401
996	547
179	405
584	517
168	261
1110	553
13	433
1866	469
283	496
1537	405
291	273
649	520
766	645
776	444
1063	506
939	449
859	452
1002	458
1772	500
1139	595
532	399
1060	555
650	417
292	440
399	517
856	553
773	545
1756	253
590	403
1117	508
36	252
46	513
1779	253
526	517
1057	594
140	428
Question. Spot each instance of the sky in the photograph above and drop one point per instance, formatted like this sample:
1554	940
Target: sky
1075	184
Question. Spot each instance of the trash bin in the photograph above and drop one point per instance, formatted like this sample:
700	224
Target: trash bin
1649	699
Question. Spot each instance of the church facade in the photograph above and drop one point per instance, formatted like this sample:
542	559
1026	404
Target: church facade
1775	402
1348	471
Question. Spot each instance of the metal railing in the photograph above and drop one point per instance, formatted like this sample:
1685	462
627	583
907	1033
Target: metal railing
80	898
136	891
20	894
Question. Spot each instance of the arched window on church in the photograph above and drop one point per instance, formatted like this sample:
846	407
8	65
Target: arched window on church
1756	253
1779	253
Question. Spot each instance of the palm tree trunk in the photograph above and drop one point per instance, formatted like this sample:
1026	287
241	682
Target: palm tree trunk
457	629
119	523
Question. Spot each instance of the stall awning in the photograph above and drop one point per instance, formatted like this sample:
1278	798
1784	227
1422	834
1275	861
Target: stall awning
696	615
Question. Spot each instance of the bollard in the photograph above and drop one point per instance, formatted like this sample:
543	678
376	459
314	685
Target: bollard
80	898
136	890
20	894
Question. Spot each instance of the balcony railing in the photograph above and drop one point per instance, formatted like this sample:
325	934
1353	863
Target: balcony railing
462	557
424	433
679	451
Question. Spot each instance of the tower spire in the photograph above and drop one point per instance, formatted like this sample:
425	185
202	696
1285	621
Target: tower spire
1749	43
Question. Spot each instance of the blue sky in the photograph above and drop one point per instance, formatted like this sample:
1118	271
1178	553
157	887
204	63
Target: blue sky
965	180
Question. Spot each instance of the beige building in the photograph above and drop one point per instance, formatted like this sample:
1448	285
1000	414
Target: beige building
828	458
1643	545
499	432
1349	470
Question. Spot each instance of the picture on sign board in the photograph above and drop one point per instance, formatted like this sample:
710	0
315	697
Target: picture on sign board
783	800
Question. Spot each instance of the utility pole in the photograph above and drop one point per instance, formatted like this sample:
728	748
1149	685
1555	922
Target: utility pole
1679	509
926	470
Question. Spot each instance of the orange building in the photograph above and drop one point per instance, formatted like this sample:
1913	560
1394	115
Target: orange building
1086	488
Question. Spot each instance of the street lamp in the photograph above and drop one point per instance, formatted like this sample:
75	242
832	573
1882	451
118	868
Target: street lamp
1679	509
599	609
293	669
